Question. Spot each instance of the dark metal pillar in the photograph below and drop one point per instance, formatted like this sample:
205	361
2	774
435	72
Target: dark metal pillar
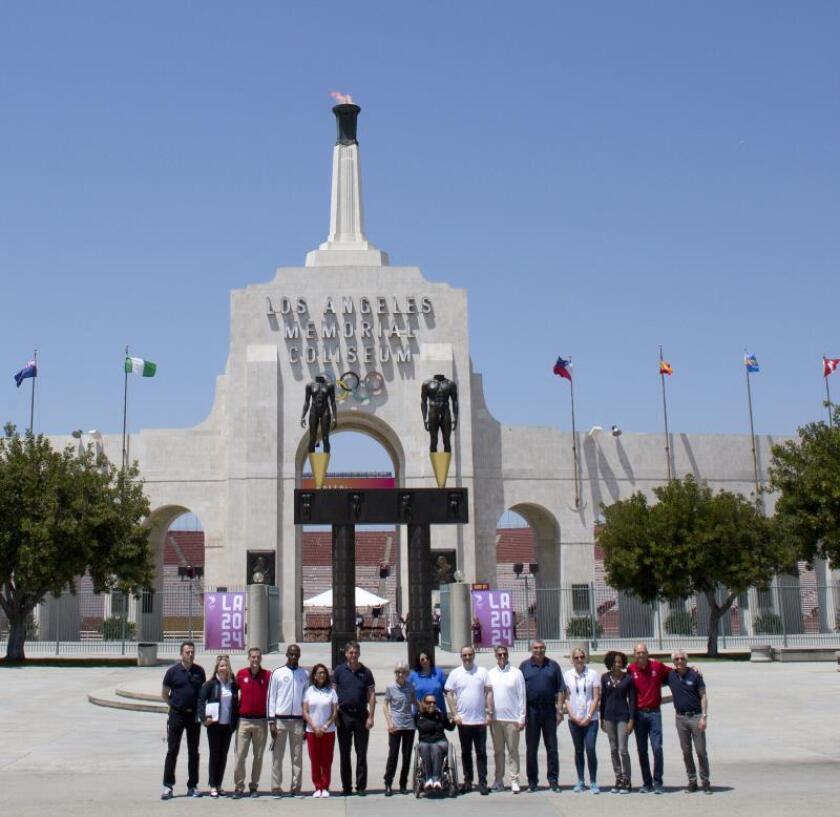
421	634
344	589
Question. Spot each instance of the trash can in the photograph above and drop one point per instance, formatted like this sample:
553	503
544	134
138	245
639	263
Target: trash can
147	654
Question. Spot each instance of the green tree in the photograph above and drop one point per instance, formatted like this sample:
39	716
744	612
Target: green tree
63	514
691	541
806	473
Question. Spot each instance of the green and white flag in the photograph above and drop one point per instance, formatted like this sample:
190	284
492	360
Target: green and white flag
136	365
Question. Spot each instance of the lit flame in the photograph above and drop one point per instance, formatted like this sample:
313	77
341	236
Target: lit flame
341	99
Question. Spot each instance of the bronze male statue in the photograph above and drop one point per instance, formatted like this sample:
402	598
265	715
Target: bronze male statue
435	398
320	395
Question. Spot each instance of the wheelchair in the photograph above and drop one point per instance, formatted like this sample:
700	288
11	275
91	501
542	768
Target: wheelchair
448	777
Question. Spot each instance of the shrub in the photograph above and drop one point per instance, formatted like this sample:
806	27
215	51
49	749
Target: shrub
582	628
112	629
679	622
767	623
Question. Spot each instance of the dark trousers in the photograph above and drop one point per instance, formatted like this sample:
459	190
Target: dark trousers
352	729
218	738
649	727
404	738
583	738
176	725
541	723
474	736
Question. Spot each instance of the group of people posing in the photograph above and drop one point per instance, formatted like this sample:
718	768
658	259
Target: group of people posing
293	705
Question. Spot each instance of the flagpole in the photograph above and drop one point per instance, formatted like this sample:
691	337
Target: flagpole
125	411
827	395
574	439
752	428
665	415
32	395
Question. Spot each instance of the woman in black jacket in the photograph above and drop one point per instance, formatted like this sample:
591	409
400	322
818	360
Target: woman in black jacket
218	710
618	713
431	740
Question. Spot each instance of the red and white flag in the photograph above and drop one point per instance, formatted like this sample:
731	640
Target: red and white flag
829	365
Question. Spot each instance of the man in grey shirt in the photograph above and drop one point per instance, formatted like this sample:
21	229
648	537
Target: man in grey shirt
399	705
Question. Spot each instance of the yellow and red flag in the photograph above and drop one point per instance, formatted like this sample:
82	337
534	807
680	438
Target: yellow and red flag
665	367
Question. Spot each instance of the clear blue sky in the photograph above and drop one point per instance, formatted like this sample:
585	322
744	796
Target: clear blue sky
602	178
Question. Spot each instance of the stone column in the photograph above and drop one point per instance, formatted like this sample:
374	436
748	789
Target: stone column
421	634
344	589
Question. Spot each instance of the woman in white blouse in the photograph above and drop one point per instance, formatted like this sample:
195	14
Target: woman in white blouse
583	699
320	709
218	710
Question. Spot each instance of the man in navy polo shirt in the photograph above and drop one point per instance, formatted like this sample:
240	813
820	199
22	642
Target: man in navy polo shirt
354	684
544	689
181	685
690	704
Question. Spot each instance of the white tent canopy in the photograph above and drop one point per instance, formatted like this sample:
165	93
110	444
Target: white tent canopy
363	599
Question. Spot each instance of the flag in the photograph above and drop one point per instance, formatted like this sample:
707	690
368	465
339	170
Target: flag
665	367
29	370
830	365
751	362
563	368
136	365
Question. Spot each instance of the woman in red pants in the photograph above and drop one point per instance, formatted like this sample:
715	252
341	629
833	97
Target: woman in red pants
320	709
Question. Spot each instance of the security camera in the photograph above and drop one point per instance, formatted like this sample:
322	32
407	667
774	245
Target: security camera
615	431
77	434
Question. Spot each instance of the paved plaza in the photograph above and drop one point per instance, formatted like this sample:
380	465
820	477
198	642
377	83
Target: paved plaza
773	744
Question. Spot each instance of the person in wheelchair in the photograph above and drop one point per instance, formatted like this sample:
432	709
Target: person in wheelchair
432	744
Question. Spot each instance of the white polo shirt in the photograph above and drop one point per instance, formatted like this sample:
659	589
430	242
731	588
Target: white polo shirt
508	686
469	688
580	690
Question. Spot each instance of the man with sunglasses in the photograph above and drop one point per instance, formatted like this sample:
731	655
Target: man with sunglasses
508	685
470	700
544	691
690	704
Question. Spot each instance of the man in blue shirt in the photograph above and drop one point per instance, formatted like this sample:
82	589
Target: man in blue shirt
544	688
354	684
181	686
690	704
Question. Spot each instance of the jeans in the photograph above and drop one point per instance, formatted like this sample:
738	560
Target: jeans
617	733
401	738
474	735
176	725
432	755
218	738
649	726
584	738
688	729
352	730
541	723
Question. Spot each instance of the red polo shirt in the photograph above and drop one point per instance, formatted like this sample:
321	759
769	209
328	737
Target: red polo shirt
648	683
253	692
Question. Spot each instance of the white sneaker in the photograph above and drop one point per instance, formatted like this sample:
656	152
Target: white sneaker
316	793
514	787
325	792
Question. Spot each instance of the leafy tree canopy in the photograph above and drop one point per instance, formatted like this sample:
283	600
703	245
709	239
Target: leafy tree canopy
64	514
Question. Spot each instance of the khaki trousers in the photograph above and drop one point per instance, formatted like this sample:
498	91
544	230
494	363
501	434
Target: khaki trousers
290	729
505	735
249	732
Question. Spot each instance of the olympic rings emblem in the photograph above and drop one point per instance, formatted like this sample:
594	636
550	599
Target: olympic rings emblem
360	389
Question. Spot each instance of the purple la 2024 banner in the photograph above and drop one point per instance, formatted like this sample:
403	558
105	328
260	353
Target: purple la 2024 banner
224	621
492	618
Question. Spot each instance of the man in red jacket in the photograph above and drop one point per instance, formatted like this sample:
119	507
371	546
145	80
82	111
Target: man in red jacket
253	725
648	677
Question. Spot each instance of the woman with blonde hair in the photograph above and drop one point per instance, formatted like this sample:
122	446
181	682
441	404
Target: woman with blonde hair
218	710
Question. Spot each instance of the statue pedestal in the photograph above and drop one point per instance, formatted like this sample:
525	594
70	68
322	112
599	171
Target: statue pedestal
318	462
440	465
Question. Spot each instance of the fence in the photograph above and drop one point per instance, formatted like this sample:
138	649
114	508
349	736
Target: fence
786	614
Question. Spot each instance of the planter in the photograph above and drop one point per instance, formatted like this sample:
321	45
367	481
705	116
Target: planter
147	654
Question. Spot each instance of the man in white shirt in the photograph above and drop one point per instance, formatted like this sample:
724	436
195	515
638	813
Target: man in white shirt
508	719
470	701
285	719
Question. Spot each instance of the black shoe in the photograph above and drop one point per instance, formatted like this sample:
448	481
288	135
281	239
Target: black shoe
361	792
707	787
466	787
555	787
237	795
532	787
347	792
691	787
482	788
403	789
388	790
